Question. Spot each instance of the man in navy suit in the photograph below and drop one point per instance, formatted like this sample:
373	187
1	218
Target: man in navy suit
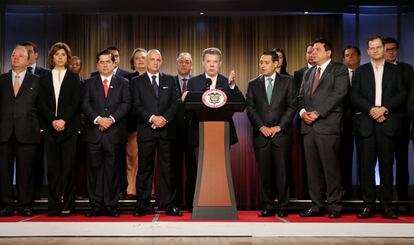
155	101
378	97
270	107
19	134
211	64
106	103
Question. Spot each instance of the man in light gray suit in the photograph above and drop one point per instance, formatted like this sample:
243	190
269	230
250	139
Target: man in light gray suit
320	104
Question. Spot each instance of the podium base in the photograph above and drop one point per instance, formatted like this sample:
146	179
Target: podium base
211	213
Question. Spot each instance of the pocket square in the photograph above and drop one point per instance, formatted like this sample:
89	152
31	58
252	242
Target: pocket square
164	87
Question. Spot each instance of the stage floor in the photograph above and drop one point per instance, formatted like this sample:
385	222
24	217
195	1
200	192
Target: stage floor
248	225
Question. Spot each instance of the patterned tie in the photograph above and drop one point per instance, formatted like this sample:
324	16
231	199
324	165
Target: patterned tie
184	85
269	89
316	79
155	85
16	85
105	84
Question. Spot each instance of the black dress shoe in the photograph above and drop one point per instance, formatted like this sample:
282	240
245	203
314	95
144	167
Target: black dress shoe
282	213
26	212
366	213
311	213
94	213
334	214
388	213
173	211
267	213
5	212
53	214
112	213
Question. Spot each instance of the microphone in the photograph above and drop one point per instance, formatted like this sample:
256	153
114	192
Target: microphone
208	83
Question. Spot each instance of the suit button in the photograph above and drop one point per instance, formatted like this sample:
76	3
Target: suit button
106	109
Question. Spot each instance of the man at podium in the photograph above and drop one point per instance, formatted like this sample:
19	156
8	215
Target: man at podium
212	79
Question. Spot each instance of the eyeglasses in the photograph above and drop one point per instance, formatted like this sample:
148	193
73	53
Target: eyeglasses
391	50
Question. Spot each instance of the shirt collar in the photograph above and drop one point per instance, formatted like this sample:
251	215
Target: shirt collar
21	74
212	78
324	65
150	75
273	76
109	78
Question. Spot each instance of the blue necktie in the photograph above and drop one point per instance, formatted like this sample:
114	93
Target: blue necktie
155	85
269	89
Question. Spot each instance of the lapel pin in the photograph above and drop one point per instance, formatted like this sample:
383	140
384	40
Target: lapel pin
111	87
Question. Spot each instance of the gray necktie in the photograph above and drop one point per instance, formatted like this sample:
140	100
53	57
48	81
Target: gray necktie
269	89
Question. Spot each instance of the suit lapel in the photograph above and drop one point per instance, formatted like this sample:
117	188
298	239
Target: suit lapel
324	74
148	85
177	83
385	77
113	85
25	85
161	84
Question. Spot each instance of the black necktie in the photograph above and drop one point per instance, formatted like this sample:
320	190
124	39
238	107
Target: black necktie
155	85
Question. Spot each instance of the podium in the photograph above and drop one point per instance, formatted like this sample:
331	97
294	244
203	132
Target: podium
214	192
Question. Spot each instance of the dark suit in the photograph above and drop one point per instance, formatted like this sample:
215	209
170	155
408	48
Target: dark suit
298	169
198	84
60	146
297	78
322	138
401	154
19	138
40	165
184	152
119	73
103	148
146	104
377	139
40	71
272	154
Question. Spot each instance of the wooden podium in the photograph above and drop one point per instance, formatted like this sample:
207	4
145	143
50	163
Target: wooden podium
214	193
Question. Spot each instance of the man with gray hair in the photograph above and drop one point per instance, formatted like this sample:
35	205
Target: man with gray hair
19	133
155	102
184	151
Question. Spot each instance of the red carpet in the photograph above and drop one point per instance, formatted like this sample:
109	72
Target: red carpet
244	216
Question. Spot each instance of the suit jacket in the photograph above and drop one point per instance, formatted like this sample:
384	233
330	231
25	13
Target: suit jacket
40	71
298	77
68	105
279	112
327	98
198	84
119	73
408	76
131	75
117	104
18	114
146	104
363	99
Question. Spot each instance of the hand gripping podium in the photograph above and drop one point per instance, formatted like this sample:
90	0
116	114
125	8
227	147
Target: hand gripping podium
214	192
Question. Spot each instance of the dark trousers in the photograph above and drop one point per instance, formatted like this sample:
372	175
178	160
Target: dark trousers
184	155
103	174
25	156
378	145
146	159
273	168
323	170
60	157
401	159
347	153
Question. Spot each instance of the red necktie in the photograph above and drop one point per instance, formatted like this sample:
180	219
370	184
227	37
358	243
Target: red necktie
184	84
316	79
105	84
